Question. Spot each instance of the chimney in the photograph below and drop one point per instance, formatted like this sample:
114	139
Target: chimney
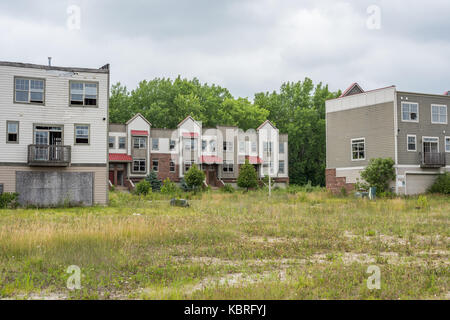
49	61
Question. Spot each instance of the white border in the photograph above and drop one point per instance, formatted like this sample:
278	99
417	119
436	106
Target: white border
401	111
415	142
351	148
446	113
423	150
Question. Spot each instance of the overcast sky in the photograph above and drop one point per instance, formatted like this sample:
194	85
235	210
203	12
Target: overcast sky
247	46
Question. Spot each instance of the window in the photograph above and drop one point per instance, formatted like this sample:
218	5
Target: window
112	142
281	166
228	146
359	149
228	166
447	144
212	145
187	165
411	142
267	146
266	166
253	146
171	145
281	147
155	144
139	142
122	142
190	144
139	165
155	163
204	144
410	111
29	90
241	146
12	135
172	166
83	94
438	114
82	134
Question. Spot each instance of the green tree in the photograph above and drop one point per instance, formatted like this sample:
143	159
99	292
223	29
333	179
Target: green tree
242	113
152	177
169	187
248	177
194	177
379	173
143	187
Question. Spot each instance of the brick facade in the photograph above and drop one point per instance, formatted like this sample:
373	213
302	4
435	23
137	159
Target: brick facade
164	166
335	184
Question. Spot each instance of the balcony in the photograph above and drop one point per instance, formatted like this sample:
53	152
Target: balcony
432	159
49	155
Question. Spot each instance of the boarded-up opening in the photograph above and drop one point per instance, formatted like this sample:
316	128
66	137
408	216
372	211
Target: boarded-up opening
54	188
419	183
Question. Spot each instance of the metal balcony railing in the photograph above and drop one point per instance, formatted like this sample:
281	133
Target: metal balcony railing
48	155
432	159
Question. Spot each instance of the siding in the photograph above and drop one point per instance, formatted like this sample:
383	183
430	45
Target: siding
423	128
375	123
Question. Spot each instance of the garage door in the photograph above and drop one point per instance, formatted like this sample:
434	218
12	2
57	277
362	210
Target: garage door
419	183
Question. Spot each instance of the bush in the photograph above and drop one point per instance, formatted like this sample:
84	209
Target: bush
143	187
169	187
9	200
228	188
248	177
184	185
153	179
442	184
194	177
379	173
422	202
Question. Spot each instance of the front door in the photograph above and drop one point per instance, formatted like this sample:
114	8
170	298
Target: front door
430	145
212	176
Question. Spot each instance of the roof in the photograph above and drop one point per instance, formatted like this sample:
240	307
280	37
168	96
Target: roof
210	159
340	97
103	69
264	123
185	119
122	157
139	132
350	88
138	115
253	159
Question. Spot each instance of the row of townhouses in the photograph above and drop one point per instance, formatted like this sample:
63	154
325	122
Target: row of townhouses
57	146
411	128
135	148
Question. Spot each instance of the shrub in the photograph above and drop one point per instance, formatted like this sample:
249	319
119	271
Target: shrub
422	202
9	200
184	185
379	173
248	177
442	184
194	177
153	179
169	187
228	188
143	187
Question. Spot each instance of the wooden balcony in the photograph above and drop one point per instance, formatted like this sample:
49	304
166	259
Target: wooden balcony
432	159
49	155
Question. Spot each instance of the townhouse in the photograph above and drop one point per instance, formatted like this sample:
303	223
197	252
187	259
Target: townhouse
411	128
136	148
53	133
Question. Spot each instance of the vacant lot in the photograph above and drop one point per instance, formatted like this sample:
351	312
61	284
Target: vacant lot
229	246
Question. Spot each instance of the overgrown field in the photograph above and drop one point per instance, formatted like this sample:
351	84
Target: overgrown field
229	246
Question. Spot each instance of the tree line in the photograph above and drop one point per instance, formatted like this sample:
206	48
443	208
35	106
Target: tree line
297	108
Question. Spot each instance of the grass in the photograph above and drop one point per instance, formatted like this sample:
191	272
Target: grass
295	245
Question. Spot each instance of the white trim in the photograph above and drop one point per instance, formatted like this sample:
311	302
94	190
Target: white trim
350	168
408	166
351	148
409	102
407	142
396	136
445	144
446	113
423	150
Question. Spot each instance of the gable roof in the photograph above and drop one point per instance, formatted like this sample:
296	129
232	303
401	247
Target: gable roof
349	90
138	115
264	123
187	118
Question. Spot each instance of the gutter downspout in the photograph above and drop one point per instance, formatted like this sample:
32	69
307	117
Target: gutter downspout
395	140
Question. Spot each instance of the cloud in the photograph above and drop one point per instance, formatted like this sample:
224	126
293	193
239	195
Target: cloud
246	46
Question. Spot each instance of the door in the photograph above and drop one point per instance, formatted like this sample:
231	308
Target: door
212	177
56	152
120	178
419	183
41	140
431	150
111	176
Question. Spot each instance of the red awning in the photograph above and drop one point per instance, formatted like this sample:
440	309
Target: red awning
139	133
253	159
122	157
210	159
190	134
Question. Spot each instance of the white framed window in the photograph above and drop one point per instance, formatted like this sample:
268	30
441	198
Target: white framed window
139	143
281	166
410	111
241	146
281	147
430	144
358	149
187	165
172	166
122	142
212	145
447	144
171	145
82	134
266	166
253	146
29	90
83	93
155	144
155	165
228	146
411	142
439	113
111	142
12	132
228	166
267	146
139	165
204	145
190	144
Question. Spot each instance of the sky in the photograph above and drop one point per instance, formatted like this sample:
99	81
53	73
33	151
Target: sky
247	46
